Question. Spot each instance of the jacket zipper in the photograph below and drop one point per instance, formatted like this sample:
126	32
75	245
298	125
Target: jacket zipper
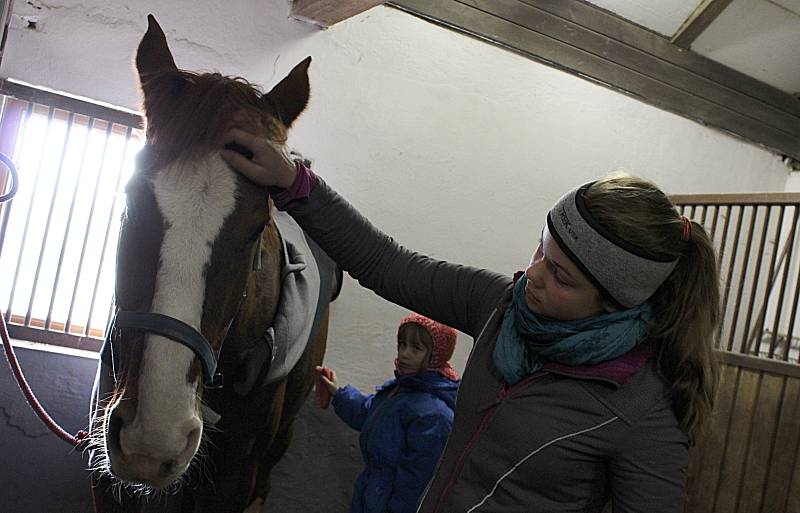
502	394
381	410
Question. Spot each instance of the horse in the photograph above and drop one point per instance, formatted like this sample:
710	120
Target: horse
222	303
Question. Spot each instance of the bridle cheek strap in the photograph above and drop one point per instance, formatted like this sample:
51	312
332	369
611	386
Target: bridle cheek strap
165	326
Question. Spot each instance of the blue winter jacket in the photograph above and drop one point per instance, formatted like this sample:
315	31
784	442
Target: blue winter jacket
404	427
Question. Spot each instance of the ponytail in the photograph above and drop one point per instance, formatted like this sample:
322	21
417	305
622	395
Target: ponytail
686	307
687	315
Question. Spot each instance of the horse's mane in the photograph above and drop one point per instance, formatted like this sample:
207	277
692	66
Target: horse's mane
189	112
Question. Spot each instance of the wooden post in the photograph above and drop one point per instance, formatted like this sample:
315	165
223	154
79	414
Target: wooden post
698	21
329	12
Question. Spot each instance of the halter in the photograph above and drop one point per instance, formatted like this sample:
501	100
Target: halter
175	330
165	326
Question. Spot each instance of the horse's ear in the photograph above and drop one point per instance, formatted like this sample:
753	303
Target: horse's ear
290	96
153	55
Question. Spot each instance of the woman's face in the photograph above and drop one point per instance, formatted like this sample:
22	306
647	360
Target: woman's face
556	288
413	349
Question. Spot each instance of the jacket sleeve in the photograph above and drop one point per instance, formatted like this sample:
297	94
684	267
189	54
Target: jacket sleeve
648	473
425	440
460	296
352	406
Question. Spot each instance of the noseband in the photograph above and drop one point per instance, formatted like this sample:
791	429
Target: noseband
165	326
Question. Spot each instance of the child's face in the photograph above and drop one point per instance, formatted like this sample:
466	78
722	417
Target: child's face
413	349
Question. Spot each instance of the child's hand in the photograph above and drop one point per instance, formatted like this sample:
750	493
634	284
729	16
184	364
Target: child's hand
270	164
326	385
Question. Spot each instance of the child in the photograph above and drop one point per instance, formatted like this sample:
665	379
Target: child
405	424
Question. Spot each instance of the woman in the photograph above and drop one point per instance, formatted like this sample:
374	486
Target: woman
591	373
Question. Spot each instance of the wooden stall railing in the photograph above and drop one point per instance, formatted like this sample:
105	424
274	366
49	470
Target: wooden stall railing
748	461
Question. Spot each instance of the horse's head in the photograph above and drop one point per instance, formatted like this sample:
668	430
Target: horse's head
187	244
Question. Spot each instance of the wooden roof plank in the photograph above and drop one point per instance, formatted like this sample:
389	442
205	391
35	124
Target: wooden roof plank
326	13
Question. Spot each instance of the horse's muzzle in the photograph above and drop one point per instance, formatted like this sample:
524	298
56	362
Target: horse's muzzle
155	458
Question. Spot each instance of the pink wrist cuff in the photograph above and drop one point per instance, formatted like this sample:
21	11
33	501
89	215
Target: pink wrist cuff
301	188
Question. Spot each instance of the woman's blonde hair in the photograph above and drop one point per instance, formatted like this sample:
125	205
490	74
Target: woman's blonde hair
686	306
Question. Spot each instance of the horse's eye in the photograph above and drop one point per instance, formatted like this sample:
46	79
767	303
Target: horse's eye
257	234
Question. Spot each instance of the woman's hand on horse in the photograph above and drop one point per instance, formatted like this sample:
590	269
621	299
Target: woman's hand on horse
328	377
270	164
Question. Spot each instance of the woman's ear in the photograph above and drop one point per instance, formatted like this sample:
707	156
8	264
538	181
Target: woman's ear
606	304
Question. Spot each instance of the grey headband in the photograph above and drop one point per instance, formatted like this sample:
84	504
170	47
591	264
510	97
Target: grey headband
622	272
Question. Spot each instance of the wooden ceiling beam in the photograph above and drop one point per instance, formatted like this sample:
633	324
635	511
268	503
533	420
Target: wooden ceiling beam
329	12
698	22
593	44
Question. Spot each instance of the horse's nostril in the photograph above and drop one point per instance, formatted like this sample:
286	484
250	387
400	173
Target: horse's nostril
168	468
115	424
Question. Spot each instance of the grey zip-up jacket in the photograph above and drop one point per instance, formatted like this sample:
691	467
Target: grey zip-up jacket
552	443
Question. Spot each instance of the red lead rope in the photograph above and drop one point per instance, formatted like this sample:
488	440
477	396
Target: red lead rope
80	438
76	440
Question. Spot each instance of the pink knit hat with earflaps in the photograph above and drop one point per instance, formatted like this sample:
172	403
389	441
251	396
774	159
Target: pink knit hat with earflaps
444	343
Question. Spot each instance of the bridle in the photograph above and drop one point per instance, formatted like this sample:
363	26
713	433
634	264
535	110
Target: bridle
166	326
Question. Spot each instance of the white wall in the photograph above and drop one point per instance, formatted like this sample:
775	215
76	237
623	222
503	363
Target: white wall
453	146
40	471
793	183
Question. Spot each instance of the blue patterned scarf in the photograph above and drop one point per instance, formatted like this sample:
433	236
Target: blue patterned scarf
526	342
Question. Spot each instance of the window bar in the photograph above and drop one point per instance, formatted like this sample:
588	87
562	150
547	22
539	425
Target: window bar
773	344
732	260
3	112
792	318
88	228
747	336
774	266
67	229
86	328
50	114
53	199
743	275
110	312
6	208
793	315
724	235
713	231
779	309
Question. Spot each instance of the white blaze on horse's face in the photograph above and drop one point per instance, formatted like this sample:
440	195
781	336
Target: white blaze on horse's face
195	198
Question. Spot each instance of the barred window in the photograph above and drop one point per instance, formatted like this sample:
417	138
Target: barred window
58	235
